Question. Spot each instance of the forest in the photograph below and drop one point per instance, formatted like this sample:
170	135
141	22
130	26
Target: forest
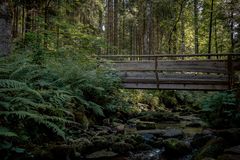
70	86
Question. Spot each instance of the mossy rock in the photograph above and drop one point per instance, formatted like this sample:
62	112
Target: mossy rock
199	140
175	147
122	147
103	154
146	125
212	149
143	147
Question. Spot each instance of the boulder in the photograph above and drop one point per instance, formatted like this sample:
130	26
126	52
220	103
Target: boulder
232	153
146	125
232	136
194	125
122	147
199	140
155	132
158	143
212	149
173	133
175	147
143	147
229	157
103	154
158	117
233	150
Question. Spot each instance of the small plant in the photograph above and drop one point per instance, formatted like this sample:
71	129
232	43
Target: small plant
221	109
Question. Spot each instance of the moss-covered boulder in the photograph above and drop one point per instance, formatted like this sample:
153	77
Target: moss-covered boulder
122	147
212	149
175	147
146	125
103	154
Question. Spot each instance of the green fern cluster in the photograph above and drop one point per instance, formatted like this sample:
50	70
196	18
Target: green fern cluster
221	109
43	98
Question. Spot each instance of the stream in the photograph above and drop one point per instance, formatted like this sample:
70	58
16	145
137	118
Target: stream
157	135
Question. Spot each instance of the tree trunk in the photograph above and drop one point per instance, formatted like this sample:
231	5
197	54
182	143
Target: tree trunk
5	29
196	44
210	30
232	28
147	28
115	29
182	33
215	36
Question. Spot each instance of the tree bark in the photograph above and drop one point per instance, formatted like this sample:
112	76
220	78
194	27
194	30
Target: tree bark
5	29
147	28
210	30
196	44
115	29
183	48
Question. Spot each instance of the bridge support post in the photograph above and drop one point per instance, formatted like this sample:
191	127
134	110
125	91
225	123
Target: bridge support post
156	71
230	72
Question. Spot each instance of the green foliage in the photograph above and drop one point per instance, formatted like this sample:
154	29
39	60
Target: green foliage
39	101
221	109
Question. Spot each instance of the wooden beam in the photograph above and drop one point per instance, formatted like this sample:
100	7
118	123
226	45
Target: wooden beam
175	66
175	86
151	75
171	55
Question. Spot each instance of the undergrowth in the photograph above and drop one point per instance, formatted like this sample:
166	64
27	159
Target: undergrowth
40	102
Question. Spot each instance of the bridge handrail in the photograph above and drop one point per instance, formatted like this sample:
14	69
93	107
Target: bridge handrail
170	55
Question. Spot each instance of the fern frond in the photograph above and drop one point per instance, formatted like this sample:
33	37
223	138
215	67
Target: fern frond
7	83
97	109
5	132
22	71
40	119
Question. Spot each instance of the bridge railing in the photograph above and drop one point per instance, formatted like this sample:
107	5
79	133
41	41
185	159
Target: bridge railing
207	71
171	57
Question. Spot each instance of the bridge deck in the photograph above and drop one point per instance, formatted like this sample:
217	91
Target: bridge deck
177	72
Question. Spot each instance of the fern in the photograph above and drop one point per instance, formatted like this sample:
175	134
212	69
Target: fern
97	109
6	83
5	132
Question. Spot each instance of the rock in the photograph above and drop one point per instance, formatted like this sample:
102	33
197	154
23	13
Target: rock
62	151
147	155
100	143
229	157
158	117
122	147
145	125
156	132
232	153
119	127
199	140
233	150
81	145
175	147
173	133
143	147
101	154
212	149
232	136
194	125
138	138
133	121
158	143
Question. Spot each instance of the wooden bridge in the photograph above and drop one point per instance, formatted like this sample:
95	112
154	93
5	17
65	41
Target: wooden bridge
177	72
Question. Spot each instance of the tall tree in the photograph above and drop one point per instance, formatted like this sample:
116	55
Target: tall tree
148	26
5	28
210	28
196	45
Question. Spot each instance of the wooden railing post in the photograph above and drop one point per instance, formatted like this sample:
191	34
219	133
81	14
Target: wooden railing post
156	71
230	72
